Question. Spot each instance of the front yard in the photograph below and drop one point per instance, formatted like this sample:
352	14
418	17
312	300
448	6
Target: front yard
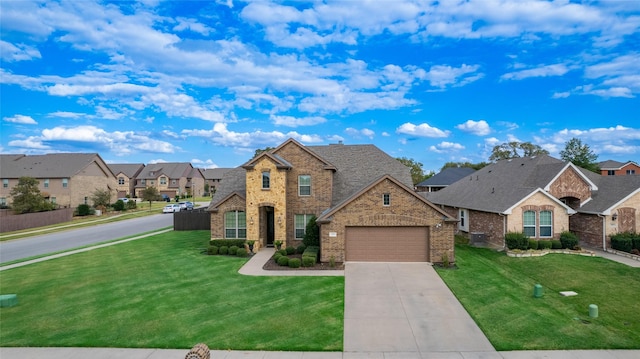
161	292
498	293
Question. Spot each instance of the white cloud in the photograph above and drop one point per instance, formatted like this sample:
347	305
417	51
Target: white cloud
480	128
19	52
542	71
20	119
208	163
365	132
421	130
192	25
291	121
442	76
444	147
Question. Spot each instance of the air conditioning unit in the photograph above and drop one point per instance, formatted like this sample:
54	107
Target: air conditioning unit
478	237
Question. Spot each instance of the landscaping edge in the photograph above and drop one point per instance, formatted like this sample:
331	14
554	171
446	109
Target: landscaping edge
624	254
540	253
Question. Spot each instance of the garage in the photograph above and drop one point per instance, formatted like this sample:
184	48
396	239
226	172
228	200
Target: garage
387	244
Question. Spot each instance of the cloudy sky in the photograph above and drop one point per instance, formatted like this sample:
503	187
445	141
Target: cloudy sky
209	82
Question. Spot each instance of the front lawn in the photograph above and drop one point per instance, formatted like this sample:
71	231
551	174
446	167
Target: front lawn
161	292
498	293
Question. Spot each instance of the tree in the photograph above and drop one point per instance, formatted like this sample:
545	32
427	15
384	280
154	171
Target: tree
260	150
514	149
150	194
311	233
417	174
27	197
580	155
101	198
475	166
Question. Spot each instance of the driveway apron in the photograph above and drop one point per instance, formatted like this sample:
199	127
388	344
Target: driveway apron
405	307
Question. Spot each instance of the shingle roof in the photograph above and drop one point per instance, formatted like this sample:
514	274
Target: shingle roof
215	173
130	170
54	165
446	177
611	190
614	165
234	180
169	169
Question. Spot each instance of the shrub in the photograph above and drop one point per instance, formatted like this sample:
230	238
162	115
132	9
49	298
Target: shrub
241	252
276	256
300	249
635	251
118	206
544	244
311	251
332	262
227	242
212	250
83	210
283	252
131	205
233	250
622	242
308	261
294	263
556	244
516	240
290	250
568	240
533	244
223	250
636	241
283	261
311	233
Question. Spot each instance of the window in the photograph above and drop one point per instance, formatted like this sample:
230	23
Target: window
53	200
65	182
5	183
173	181
86	200
151	182
3	201
120	180
611	173
163	180
631	172
266	180
529	224
462	218
386	199
546	229
46	183
301	222
235	224
304	185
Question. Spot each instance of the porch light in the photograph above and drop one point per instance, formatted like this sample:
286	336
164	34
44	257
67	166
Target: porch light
251	220
614	217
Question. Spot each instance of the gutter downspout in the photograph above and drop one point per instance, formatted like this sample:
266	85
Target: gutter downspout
604	232
504	230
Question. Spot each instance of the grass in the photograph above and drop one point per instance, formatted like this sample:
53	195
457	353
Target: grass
498	293
161	292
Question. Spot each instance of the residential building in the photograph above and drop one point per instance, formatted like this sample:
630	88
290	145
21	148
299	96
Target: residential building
615	168
213	176
444	178
363	200
66	179
171	179
126	174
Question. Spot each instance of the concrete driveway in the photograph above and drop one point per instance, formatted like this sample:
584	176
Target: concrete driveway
406	308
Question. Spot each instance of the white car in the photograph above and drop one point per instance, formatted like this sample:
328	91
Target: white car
171	208
125	200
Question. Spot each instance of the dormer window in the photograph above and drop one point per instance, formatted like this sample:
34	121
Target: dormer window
266	180
386	199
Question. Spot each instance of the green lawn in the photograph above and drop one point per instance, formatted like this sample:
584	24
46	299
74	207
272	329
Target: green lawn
161	292
498	293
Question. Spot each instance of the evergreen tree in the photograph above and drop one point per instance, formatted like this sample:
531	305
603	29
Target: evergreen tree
580	155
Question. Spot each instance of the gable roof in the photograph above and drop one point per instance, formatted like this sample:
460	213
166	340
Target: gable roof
612	190
233	181
499	186
615	165
130	170
53	165
214	173
446	177
169	169
279	161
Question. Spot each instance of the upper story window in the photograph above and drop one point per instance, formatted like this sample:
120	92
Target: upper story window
529	224
386	199
5	183
46	183
65	182
304	185
120	180
143	181
611	173
266	180
163	180
631	172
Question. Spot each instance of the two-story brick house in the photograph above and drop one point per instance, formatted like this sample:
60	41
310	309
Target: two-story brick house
171	179
126	174
66	179
363	200
615	168
213	176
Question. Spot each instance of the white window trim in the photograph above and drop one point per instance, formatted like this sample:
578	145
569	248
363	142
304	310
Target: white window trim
306	218
540	225
300	186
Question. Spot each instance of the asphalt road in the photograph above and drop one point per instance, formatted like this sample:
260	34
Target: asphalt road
74	238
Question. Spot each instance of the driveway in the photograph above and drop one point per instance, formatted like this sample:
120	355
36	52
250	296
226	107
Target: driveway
406	308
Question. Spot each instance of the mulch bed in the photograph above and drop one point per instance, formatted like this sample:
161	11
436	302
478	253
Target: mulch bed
272	265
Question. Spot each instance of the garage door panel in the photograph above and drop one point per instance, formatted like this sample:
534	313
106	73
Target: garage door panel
387	244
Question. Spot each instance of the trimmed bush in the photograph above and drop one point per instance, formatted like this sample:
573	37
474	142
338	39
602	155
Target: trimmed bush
311	233
131	205
283	261
556	244
212	250
290	250
283	252
242	252
544	244
311	251
233	250
276	256
308	261
227	242
622	242
516	240
223	250
83	210
118	206
533	244
568	240
294	263
300	249
636	241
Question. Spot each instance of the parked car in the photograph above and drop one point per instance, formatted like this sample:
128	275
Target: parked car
171	208
166	198
186	206
123	199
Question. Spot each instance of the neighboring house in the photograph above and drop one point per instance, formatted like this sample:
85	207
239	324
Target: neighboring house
66	179
126	174
542	197
213	176
171	179
363	199
441	180
615	168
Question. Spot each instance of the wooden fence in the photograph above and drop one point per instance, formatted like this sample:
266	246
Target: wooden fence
14	222
198	219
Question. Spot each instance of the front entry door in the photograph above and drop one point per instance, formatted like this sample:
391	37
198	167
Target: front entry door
270	226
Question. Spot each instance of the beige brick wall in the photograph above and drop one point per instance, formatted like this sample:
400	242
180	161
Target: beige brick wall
539	202
234	203
405	210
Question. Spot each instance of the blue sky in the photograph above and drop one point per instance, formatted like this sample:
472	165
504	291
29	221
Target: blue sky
209	82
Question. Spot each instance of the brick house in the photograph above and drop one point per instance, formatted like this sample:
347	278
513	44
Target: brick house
171	179
126	174
444	178
66	179
363	200
615	168
541	196
213	176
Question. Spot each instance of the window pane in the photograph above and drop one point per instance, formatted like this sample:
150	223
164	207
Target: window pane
530	231
545	231
242	219
545	218
300	225
529	218
242	233
386	199
265	180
